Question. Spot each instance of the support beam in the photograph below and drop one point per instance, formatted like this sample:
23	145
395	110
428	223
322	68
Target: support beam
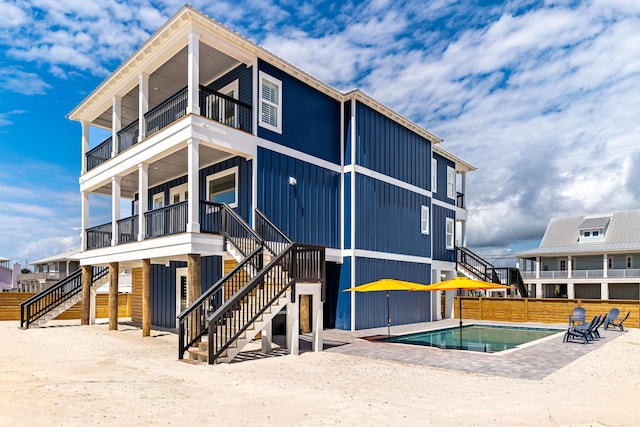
85	144
143	104
113	296
86	294
115	209
84	222
143	190
193	78
116	124
194	288
193	185
146	297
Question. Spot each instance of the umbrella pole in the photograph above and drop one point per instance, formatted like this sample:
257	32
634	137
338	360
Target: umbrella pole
388	320
460	314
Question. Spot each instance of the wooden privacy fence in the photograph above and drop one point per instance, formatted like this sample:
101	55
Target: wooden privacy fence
10	306
543	310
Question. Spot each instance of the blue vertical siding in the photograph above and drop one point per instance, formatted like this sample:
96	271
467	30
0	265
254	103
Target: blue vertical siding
347	210
404	307
244	183
343	305
347	133
441	193
244	75
333	273
388	218
309	211
385	146
310	119
439	231
163	288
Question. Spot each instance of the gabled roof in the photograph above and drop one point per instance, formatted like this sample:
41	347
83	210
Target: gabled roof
562	234
65	256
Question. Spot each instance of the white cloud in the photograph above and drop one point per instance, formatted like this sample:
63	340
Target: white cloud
13	79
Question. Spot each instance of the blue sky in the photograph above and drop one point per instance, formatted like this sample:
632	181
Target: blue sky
542	96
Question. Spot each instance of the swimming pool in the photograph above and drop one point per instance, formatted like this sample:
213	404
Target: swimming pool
481	338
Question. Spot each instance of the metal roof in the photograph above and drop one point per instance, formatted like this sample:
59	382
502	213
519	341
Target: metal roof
595	222
562	234
69	255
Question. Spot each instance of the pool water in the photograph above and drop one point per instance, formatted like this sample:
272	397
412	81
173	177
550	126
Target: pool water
481	338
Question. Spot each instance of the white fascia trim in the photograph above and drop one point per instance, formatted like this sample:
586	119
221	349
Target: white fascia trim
443	265
442	204
363	253
281	149
333	255
157	248
386	178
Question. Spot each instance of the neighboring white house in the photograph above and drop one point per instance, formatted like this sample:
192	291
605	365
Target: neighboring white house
8	274
587	256
48	271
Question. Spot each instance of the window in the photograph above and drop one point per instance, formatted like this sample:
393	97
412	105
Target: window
158	201
563	265
424	220
270	114
222	187
628	262
587	233
610	263
451	182
594	233
179	194
449	233
434	175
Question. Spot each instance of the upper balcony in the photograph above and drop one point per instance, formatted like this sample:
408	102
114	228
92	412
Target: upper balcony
576	275
213	105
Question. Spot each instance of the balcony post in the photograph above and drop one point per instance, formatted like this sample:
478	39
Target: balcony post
84	221
193	184
115	209
605	266
569	266
537	267
193	104
116	124
604	290
143	204
143	105
85	145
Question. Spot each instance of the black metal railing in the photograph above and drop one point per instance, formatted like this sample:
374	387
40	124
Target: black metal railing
166	221
460	200
238	233
210	217
128	229
296	263
275	240
166	113
485	271
99	236
225	109
511	276
99	154
42	303
128	136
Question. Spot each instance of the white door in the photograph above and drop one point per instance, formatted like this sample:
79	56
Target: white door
181	291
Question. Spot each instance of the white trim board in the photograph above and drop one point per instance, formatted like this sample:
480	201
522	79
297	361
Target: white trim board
363	253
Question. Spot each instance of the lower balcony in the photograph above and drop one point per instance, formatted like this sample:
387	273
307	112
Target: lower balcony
160	222
560	275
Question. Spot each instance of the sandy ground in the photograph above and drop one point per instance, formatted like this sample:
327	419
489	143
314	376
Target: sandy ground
72	375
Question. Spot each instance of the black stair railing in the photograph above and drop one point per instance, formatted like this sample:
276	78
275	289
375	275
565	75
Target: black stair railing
297	262
275	240
192	324
483	270
43	302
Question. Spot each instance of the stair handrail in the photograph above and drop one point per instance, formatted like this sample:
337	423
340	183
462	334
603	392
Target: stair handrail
231	223
191	325
273	237
288	262
463	255
41	303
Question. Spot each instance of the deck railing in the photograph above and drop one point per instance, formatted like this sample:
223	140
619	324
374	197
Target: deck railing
99	236
168	220
128	229
274	239
166	113
624	273
128	136
99	154
225	109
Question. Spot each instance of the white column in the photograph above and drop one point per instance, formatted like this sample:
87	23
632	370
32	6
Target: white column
116	124
604	291
84	214
569	266
293	325
143	104
85	144
267	338
539	290
193	105
318	322
605	265
115	209
571	292
143	190
92	306
193	184
537	267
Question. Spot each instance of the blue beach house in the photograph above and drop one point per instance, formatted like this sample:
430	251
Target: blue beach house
256	189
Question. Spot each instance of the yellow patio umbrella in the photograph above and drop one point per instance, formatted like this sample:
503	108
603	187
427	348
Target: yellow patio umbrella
388	285
463	283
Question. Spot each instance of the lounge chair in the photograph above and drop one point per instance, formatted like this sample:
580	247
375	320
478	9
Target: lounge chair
612	315
596	332
584	332
579	315
616	322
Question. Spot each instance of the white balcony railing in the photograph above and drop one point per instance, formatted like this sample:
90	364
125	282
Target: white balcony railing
618	273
